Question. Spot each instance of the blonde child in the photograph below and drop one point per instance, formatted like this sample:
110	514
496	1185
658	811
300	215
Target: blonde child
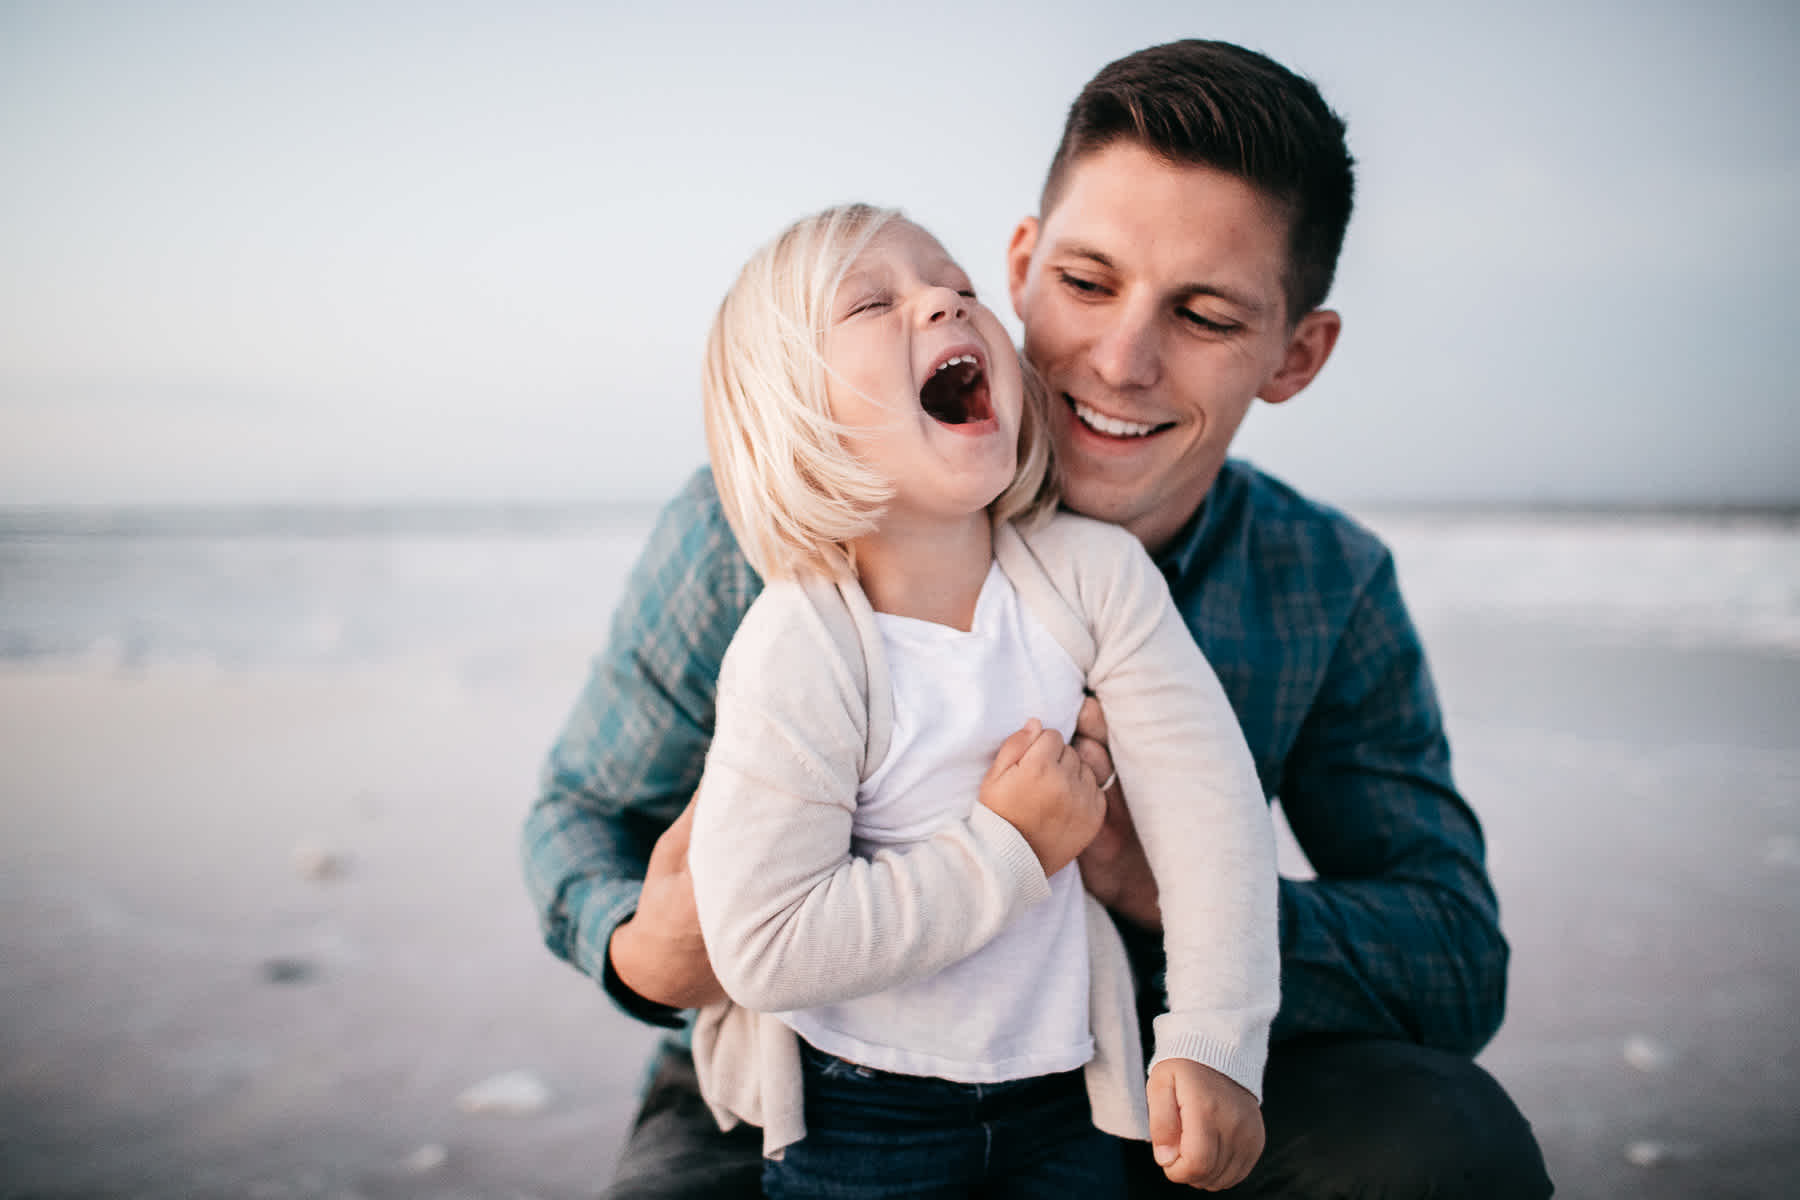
923	1000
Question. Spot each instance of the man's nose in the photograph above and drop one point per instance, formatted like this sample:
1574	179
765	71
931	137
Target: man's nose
945	304
1127	354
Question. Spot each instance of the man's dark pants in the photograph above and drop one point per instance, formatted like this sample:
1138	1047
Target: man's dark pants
1346	1118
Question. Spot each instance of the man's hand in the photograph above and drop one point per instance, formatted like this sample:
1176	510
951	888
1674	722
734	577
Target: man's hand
1205	1130
1113	867
1048	794
658	953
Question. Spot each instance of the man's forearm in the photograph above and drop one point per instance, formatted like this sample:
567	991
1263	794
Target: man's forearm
1399	934
1392	959
582	876
1422	959
1116	872
630	755
1139	904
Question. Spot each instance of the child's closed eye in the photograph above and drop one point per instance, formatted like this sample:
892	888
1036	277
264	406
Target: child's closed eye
876	302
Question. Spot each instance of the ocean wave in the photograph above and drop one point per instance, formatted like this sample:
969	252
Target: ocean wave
233	595
1672	580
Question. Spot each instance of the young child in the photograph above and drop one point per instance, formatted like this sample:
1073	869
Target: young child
923	997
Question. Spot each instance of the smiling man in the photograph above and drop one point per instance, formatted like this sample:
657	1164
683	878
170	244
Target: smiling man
1153	296
1186	240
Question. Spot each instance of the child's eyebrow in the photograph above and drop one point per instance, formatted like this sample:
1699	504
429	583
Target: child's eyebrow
858	280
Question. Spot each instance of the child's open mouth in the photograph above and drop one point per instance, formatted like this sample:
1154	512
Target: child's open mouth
957	392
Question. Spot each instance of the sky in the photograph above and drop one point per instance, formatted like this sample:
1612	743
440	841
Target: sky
395	252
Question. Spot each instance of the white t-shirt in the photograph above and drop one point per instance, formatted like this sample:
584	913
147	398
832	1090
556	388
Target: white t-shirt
1019	1006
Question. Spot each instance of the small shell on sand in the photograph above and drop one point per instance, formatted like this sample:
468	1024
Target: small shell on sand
1646	1054
425	1159
287	969
1650	1153
515	1093
316	861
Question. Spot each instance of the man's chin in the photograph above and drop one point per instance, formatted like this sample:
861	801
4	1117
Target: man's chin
1098	498
1152	504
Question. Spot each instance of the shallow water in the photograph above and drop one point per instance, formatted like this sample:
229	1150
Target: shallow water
479	587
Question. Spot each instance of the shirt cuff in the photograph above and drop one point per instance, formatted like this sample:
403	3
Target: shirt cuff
635	1005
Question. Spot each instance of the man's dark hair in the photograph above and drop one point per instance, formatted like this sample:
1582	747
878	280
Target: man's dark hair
1217	105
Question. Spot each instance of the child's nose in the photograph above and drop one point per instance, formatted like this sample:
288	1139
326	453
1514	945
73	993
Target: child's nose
945	304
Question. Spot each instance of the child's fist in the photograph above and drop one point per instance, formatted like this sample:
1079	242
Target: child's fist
1040	785
1205	1130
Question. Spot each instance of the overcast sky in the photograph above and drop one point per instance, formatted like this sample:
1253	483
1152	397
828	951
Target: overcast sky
362	252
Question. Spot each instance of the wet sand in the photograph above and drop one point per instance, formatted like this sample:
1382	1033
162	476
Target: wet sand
1643	818
262	931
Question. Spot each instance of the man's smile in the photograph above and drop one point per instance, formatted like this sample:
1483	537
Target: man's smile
1116	427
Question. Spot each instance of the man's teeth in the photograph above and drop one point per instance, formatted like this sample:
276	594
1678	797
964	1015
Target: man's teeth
958	361
1111	425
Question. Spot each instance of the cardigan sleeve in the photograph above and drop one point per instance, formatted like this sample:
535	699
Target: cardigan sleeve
1192	789
792	919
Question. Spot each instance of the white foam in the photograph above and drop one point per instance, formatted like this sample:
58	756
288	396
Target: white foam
1668	580
480	604
515	1093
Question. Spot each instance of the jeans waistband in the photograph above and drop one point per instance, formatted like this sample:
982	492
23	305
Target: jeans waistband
818	1063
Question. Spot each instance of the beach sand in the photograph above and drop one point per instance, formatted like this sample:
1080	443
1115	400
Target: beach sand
264	930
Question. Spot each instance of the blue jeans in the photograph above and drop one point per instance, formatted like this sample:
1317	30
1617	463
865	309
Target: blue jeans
1361	1118
872	1134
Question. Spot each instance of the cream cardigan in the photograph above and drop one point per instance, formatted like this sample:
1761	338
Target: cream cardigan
793	920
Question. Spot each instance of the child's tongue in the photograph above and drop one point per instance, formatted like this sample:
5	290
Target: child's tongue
956	395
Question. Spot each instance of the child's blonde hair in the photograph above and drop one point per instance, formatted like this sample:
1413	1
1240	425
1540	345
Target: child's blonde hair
796	497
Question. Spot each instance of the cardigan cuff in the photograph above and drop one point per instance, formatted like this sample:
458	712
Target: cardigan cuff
1015	856
1241	1062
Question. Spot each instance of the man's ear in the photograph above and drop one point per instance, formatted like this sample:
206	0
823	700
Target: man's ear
1308	347
1018	261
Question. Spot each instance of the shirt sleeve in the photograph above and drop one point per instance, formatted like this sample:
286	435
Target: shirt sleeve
629	757
1399	934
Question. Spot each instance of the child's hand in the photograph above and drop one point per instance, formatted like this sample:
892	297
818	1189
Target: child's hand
1041	786
1205	1130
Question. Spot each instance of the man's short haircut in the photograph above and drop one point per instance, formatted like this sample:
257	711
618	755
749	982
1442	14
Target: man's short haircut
1213	104
793	492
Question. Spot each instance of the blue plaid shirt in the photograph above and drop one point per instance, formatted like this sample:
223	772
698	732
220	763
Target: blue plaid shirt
1298	610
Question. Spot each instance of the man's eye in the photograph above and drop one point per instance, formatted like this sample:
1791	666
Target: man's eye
1207	323
1075	283
968	292
863	306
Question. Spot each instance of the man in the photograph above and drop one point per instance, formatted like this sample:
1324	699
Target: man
1187	236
